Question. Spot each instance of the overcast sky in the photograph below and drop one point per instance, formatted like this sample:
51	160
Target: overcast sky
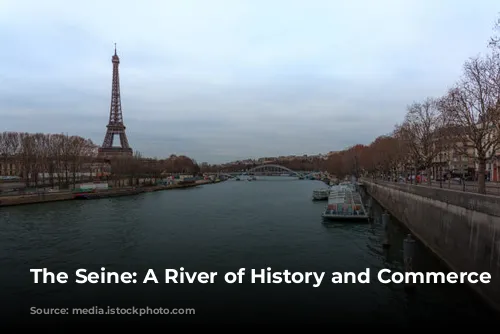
225	80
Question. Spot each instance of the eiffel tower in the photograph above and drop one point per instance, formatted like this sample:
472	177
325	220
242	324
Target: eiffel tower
115	125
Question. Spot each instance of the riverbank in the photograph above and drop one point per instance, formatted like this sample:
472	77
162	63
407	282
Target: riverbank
68	195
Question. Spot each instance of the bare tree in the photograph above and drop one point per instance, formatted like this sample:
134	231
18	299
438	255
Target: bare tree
3	151
56	157
45	153
40	157
136	168
401	147
420	129
77	156
9	146
27	156
472	106
495	39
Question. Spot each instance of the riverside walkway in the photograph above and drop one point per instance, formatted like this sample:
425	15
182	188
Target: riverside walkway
492	188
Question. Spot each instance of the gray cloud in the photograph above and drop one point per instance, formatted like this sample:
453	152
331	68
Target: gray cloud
224	80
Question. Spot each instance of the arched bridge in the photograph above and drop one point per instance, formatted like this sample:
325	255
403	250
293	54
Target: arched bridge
268	169
272	169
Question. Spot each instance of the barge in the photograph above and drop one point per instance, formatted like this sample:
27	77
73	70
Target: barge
345	204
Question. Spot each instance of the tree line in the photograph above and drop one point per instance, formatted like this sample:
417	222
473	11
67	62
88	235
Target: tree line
63	160
38	155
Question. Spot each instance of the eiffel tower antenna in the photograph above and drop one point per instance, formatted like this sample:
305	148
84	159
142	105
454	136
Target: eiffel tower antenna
115	125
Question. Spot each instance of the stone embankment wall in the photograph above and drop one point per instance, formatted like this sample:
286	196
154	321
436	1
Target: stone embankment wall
31	199
64	196
462	228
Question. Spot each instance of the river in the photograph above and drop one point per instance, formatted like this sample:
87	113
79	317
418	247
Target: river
271	222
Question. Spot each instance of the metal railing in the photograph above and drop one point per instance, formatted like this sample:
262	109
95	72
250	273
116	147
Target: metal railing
492	188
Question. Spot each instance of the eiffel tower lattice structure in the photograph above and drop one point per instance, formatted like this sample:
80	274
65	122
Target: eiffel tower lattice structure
115	126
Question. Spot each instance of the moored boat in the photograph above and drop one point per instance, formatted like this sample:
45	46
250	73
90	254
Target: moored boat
345	204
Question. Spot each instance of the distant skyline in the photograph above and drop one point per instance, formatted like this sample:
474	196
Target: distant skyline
229	80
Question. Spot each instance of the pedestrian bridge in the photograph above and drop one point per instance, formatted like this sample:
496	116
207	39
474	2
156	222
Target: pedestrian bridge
272	169
268	169
265	169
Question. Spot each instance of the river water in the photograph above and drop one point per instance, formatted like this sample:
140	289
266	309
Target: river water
222	227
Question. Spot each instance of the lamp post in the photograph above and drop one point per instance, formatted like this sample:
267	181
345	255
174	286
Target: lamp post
448	168
440	170
463	175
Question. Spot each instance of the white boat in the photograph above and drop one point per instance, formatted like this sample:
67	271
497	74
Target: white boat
345	204
321	194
